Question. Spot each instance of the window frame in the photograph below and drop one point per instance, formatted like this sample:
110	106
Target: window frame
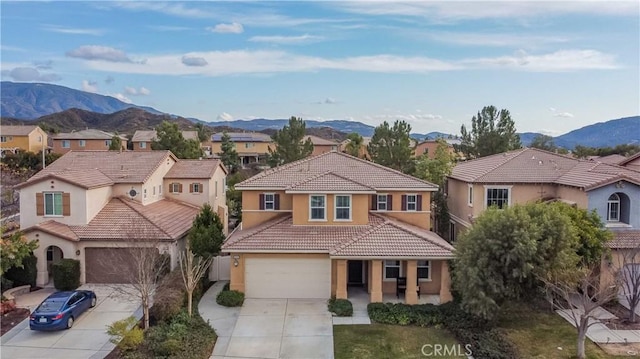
385	266
53	205
324	208
470	194
486	192
82	143
160	190
144	193
378	202
249	145
196	189
4	139
272	201
143	144
173	186
611	202
335	208
415	202
428	266
67	142
107	143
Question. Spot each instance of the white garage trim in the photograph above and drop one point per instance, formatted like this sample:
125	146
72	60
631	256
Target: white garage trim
288	278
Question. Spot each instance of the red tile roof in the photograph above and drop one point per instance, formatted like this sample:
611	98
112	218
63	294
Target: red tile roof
625	239
530	165
88	134
328	181
16	130
381	237
88	179
319	141
362	172
57	229
150	135
193	169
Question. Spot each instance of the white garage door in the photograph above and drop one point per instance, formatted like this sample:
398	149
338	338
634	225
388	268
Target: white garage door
287	278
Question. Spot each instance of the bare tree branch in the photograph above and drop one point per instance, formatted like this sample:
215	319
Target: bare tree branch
193	269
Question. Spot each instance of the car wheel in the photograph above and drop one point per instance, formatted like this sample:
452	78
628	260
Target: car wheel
69	322
94	300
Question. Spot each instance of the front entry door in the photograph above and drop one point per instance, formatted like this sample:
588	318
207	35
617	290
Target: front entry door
355	272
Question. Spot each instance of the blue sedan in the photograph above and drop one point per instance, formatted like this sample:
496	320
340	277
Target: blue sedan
60	309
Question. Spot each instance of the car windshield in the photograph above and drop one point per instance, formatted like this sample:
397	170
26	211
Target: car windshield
51	305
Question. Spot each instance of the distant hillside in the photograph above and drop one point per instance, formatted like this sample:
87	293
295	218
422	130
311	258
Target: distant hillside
32	100
527	137
603	134
260	124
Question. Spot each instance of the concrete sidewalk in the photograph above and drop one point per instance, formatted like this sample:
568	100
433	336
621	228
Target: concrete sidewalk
222	319
598	332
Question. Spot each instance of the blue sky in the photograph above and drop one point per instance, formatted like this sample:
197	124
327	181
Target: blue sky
555	65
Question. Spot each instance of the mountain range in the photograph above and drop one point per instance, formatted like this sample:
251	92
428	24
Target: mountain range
67	109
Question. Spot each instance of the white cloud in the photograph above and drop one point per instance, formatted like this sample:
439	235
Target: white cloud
89	86
73	31
29	74
194	61
224	117
121	97
232	28
144	91
287	40
95	52
563	114
167	28
494	39
562	60
175	9
132	91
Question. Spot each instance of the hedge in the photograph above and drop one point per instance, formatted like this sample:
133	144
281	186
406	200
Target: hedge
26	275
340	307
180	337
66	274
230	298
485	341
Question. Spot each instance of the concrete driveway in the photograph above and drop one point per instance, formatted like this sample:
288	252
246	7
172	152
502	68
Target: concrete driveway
87	338
280	328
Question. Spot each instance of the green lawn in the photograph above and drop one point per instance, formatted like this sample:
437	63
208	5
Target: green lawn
538	334
381	341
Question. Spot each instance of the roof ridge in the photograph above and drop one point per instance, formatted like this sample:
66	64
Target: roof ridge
308	179
407	228
168	153
357	237
143	216
506	158
281	167
628	159
257	230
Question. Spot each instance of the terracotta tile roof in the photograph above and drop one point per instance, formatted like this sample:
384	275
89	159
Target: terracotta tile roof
360	171
193	169
90	178
243	137
119	167
328	181
319	141
16	130
612	159
57	229
150	135
89	134
530	165
625	239
629	159
381	237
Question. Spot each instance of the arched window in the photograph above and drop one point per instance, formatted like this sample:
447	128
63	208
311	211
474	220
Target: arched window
613	208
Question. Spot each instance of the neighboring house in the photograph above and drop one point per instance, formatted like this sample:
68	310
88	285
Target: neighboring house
85	140
333	224
252	147
528	175
613	159
363	151
142	139
22	138
320	145
428	147
92	205
632	162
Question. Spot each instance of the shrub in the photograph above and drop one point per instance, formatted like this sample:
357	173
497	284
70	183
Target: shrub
169	297
5	284
66	274
230	298
126	334
181	337
340	307
26	275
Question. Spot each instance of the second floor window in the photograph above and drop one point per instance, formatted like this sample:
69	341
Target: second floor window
175	188
470	195
317	205
498	197
82	143
66	143
143	145
343	207
53	204
412	202
613	208
248	145
196	188
4	139
383	202
269	201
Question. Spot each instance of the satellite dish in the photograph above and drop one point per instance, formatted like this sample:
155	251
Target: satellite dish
133	193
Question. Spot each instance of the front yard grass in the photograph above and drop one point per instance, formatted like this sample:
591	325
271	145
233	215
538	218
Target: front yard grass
381	341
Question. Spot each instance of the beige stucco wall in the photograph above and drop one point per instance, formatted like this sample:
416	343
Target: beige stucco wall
359	210
156	180
237	275
241	147
28	217
420	219
32	142
96	199
90	145
320	149
251	213
573	194
426	287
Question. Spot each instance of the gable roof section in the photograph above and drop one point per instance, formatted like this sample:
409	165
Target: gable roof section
243	137
328	181
119	167
88	179
629	159
56	229
319	141
530	165
16	130
88	134
362	172
194	169
381	237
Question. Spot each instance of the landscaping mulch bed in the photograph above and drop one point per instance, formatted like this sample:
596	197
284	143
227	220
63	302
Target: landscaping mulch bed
13	318
622	323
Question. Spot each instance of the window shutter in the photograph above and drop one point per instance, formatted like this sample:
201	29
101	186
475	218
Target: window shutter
276	201
419	204
66	204
39	204
200	188
404	202
190	187
180	187
389	202
374	202
261	201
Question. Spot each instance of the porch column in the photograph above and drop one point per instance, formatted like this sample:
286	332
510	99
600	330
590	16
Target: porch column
341	279
411	294
445	283
376	281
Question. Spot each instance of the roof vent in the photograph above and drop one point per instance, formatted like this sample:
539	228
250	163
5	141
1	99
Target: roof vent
540	162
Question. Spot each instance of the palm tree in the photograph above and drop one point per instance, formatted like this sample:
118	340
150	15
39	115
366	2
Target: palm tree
355	144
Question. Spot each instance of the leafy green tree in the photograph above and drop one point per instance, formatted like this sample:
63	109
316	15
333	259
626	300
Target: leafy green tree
169	137
116	143
207	233
229	156
290	143
392	146
506	251
492	132
28	162
203	132
14	249
543	142
354	145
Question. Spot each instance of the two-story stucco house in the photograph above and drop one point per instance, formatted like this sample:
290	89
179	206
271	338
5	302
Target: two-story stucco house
92	205
252	147
142	139
333	224
22	138
321	145
85	140
428	147
528	175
